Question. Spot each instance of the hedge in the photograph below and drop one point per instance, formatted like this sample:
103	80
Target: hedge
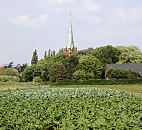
97	82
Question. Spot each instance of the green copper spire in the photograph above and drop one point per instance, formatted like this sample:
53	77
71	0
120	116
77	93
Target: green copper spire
70	41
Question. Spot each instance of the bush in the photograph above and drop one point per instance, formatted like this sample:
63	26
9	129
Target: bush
37	79
6	78
97	82
122	74
11	72
82	75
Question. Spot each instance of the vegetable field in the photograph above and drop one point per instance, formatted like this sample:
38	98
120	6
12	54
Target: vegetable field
69	109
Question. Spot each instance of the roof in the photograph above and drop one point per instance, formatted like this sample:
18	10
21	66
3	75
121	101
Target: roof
70	41
133	67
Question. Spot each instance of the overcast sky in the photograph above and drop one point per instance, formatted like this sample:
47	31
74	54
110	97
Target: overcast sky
26	25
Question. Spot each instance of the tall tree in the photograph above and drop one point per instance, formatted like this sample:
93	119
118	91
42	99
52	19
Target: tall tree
90	66
49	53
70	63
45	55
20	68
54	53
129	54
107	54
34	58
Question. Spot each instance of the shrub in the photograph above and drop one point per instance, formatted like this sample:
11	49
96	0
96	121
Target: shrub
122	74
37	79
6	78
83	75
97	82
79	74
11	72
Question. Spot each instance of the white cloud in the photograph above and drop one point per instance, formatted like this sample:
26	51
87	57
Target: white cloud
55	5
91	6
89	18
54	2
126	15
27	20
88	10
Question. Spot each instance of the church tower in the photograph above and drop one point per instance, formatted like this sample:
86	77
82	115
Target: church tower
70	47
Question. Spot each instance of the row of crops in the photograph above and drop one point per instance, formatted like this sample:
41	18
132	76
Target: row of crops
69	109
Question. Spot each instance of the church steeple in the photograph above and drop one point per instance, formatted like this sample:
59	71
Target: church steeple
70	41
70	47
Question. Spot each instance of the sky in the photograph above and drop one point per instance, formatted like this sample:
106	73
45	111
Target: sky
26	25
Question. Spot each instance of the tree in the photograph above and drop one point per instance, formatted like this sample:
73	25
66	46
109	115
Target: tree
27	75
31	72
53	71
61	51
107	54
53	53
37	71
91	65
79	75
49	53
20	68
45	55
61	71
87	52
122	74
44	73
34	58
70	63
129	54
10	65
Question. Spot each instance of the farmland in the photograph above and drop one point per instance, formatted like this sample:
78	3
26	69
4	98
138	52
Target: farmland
69	109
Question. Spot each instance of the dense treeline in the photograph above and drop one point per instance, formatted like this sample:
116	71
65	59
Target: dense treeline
88	64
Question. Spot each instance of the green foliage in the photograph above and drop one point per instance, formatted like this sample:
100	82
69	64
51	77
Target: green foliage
6	78
79	75
78	109
37	71
84	65
27	75
56	72
49	53
20	68
11	72
130	54
45	55
87	52
70	63
34	58
37	79
98	82
44	73
91	66
122	74
40	69
83	75
62	67
107	54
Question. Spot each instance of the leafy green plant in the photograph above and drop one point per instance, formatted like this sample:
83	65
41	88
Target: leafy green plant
76	108
6	78
37	79
11	72
122	74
